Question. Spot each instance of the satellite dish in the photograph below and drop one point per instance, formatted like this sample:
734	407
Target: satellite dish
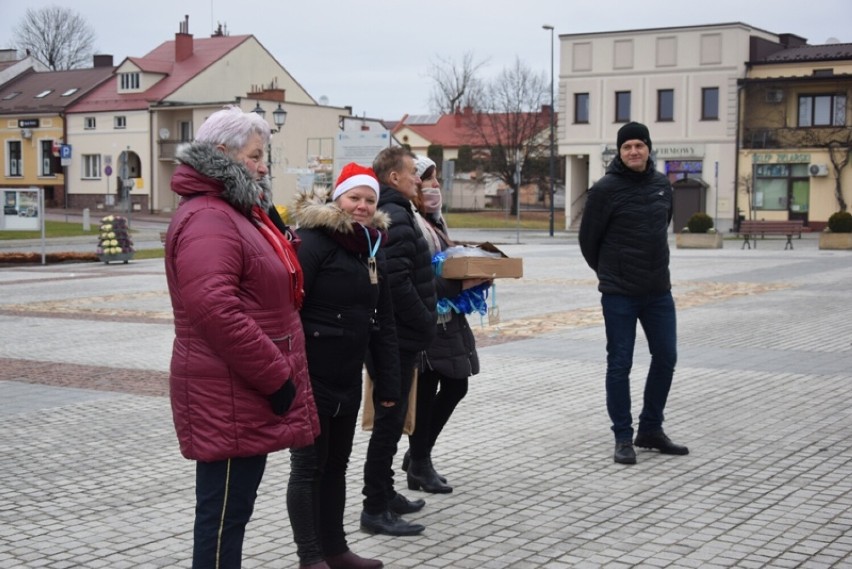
323	100
164	133
832	39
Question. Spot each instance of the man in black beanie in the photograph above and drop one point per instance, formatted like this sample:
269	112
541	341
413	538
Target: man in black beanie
624	239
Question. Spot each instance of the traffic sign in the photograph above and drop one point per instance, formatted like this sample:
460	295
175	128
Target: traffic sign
108	170
65	151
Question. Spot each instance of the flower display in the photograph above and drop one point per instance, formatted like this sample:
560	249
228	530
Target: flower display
114	237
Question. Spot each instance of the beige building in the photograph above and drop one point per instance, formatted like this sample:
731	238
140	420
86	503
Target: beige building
125	133
682	83
796	133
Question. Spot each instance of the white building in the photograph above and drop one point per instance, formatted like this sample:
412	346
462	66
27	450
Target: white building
680	82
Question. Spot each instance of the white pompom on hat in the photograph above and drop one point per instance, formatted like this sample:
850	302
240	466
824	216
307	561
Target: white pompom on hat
352	176
422	163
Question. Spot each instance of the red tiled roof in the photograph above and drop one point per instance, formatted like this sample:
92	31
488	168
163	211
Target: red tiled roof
454	130
56	84
205	52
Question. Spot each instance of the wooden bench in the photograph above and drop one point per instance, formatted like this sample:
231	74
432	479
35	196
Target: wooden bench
751	229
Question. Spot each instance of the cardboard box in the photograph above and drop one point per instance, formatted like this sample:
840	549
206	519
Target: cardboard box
460	267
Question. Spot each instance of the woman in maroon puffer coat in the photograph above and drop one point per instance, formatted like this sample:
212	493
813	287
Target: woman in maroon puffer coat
239	382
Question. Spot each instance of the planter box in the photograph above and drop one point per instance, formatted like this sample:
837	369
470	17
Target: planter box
698	240
829	240
116	258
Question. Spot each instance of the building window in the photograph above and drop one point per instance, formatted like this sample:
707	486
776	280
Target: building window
47	158
120	122
129	81
91	166
822	110
89	123
44	94
14	164
781	187
665	105
622	106
185	131
581	108
710	104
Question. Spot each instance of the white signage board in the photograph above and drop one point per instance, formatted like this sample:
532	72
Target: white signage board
358	146
21	210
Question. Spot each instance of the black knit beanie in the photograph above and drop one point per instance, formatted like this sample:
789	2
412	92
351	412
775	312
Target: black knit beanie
634	131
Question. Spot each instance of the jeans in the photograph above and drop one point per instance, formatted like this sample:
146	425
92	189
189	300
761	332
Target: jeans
387	430
656	313
434	409
316	494
225	492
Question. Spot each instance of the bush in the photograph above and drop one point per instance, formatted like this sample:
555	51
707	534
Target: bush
840	222
699	223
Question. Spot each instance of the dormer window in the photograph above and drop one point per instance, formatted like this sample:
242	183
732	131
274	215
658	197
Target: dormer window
129	81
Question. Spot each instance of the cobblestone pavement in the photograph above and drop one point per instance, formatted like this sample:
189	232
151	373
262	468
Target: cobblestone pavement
91	476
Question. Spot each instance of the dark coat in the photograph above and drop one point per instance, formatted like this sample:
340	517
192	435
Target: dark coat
624	230
410	273
453	351
238	336
344	315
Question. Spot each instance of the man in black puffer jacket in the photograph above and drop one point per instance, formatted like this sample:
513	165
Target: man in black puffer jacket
409	270
624	239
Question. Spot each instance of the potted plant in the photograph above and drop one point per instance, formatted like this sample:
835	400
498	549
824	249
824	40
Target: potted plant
838	233
699	233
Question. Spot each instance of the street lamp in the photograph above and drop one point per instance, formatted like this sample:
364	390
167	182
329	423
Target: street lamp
552	136
279	117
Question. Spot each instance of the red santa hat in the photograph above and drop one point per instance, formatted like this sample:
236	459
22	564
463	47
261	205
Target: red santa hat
353	175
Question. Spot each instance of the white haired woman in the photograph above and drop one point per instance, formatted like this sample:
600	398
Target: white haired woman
239	381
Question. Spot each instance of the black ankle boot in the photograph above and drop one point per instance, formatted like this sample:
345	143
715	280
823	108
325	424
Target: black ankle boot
406	460
421	475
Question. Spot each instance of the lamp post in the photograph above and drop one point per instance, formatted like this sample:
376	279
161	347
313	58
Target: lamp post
552	135
279	117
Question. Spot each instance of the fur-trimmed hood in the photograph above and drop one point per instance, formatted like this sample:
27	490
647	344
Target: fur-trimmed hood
206	170
314	210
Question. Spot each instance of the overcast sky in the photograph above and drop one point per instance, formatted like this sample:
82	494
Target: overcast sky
375	55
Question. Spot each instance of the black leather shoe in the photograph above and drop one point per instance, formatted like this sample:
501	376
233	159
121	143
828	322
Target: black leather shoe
388	523
406	460
349	560
401	505
661	442
624	453
421	475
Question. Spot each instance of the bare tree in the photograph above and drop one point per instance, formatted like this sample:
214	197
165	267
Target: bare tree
56	36
839	151
455	83
512	125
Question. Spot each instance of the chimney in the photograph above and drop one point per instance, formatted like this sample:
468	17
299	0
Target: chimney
183	41
102	60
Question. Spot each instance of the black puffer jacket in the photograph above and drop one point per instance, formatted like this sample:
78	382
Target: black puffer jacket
344	315
624	231
453	351
410	274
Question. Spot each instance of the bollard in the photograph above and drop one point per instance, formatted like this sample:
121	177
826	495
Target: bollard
86	222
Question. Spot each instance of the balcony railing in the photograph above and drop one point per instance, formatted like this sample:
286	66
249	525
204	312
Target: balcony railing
168	148
787	138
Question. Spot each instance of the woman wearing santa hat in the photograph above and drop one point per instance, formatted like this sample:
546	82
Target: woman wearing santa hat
347	312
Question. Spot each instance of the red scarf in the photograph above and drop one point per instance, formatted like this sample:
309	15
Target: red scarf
285	252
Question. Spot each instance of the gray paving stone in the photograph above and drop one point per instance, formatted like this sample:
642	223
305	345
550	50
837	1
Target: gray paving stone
93	478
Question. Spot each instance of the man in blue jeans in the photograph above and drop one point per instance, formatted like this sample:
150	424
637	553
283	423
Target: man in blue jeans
624	239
